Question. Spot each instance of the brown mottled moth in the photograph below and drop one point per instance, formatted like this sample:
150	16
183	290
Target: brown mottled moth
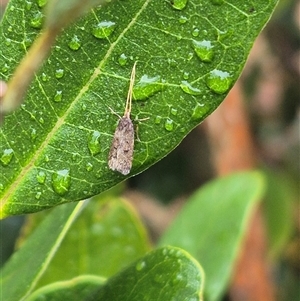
121	151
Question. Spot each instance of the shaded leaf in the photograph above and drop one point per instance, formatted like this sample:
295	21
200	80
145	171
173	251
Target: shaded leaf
54	149
104	239
278	209
24	269
77	289
212	225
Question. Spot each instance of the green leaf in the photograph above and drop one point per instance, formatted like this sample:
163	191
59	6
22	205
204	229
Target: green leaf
24	269
77	289
212	225
278	209
165	274
104	239
54	149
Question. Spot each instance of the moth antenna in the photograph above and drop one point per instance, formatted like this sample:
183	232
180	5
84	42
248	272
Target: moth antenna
130	90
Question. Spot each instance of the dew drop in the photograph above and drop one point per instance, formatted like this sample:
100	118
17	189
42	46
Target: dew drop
58	96
187	88
61	181
204	50
186	75
27	42
5	68
179	4
41	120
28	5
94	143
37	20
7	41
103	29
89	166
199	111
195	32
190	56
182	19
33	134
122	59
7	156
74	44
219	81
44	77
38	195
42	3
146	87
59	73
174	111
41	177
177	279
169	125
158	119
140	265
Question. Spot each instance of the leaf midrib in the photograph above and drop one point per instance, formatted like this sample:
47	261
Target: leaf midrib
61	119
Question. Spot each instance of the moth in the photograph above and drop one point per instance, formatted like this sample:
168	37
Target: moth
121	151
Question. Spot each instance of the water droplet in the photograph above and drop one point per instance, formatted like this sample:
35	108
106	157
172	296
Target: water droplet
94	143
179	4
169	125
122	59
44	77
27	42
187	88
28	5
42	3
58	96
183	19
204	50
33	134
217	2
61	181
7	41
146	87
199	111
158	119
59	73
140	265
219	81
174	111
41	177
190	56
186	75
195	32
41	120
38	195
7	156
37	20
103	29
5	68
74	44
89	166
